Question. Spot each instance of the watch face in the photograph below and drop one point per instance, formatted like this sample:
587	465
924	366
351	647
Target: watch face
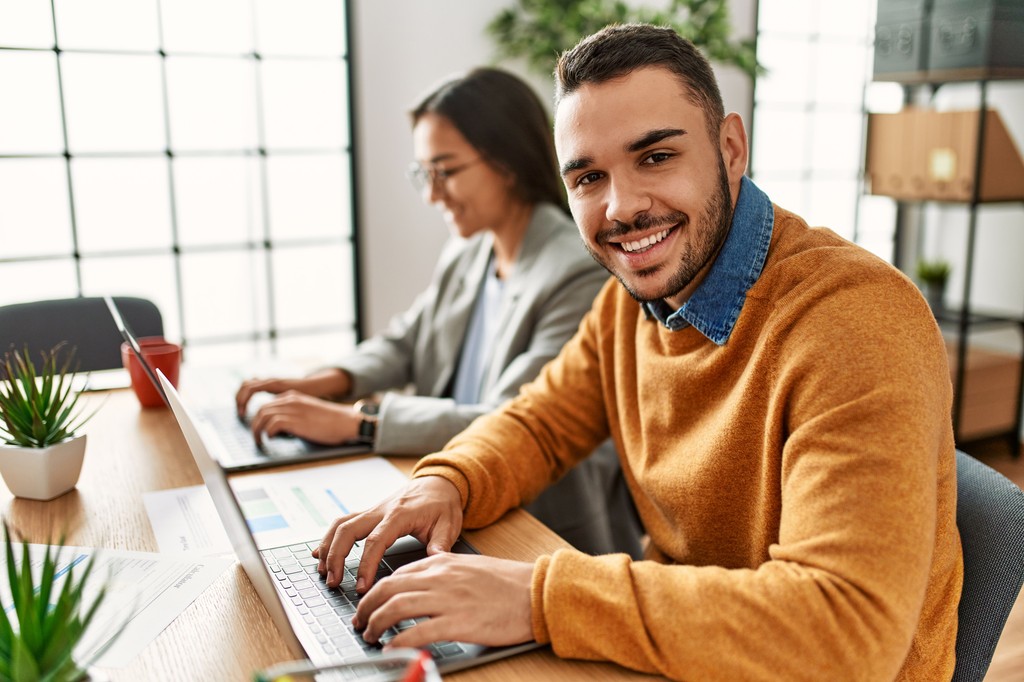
369	409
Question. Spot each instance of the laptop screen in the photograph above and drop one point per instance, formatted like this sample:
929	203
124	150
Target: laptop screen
130	339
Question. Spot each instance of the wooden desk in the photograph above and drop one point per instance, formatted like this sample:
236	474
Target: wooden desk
226	633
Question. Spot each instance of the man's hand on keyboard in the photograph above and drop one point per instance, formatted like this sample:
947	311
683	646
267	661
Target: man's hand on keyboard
469	598
428	508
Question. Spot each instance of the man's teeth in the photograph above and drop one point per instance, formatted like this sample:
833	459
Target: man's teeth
645	242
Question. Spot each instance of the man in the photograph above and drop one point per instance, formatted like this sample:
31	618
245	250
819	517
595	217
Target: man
779	397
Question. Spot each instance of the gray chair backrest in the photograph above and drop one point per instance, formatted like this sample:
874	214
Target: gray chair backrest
84	323
990	516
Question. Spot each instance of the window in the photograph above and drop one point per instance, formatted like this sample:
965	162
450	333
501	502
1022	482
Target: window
809	116
194	153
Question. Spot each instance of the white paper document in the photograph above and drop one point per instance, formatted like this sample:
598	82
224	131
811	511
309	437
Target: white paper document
282	507
146	591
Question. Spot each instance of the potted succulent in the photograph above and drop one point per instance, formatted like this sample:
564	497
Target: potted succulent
40	453
44	618
933	275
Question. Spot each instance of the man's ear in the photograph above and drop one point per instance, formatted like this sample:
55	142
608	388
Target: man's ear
733	145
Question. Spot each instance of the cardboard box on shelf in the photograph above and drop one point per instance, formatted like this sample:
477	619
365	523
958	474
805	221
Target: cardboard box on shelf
920	154
989	404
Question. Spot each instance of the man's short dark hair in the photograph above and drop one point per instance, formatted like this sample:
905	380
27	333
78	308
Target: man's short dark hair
620	49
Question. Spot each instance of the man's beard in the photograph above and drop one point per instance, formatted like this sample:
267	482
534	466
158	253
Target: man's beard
709	233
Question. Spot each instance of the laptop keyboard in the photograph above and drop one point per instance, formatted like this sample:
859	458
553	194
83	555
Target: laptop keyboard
327	611
237	437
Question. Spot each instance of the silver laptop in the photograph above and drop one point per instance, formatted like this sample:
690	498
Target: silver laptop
232	442
316	620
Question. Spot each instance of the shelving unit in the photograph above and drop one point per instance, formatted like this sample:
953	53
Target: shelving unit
964	320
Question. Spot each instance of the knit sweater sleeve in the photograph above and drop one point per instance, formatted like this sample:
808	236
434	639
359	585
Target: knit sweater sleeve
506	458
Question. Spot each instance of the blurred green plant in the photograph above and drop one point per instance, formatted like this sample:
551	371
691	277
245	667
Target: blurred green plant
540	30
37	644
37	405
933	271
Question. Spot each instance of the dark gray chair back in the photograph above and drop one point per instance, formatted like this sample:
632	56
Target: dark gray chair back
990	516
84	323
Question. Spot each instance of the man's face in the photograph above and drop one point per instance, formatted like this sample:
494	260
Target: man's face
651	191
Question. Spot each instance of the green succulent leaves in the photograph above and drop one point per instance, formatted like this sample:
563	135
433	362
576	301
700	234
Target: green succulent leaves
37	645
37	405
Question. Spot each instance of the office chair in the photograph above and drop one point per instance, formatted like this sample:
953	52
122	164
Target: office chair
84	323
990	516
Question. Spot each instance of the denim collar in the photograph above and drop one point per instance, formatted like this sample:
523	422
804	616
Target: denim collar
715	305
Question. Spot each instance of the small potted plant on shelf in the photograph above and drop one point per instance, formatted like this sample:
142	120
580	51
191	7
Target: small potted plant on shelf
44	617
933	275
40	452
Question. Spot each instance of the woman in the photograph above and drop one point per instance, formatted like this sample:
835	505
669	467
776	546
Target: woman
504	298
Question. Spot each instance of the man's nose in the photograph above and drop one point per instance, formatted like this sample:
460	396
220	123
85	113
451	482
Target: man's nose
627	198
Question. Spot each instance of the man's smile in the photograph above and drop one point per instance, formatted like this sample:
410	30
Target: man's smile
645	242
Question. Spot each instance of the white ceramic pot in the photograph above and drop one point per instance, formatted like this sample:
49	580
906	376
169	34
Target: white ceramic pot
42	473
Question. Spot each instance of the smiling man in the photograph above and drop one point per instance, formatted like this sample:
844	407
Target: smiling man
779	398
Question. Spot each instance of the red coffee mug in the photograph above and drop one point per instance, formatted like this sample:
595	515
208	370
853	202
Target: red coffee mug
161	354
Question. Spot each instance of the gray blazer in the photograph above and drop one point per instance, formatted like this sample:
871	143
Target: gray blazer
551	287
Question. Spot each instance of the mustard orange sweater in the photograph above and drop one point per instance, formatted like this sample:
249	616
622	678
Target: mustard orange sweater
797	483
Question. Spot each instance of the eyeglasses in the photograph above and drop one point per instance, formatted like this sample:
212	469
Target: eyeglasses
430	175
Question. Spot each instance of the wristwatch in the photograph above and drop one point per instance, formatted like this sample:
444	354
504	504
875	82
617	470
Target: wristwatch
368	410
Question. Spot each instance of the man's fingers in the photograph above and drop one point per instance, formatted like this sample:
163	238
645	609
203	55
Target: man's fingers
345	535
376	543
443	535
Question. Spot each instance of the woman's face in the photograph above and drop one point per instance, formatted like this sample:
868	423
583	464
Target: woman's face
473	195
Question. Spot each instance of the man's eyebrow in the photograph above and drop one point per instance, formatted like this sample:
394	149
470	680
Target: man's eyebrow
576	164
654	137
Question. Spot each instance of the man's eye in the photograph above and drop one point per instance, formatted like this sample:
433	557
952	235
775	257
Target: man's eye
588	178
442	173
657	157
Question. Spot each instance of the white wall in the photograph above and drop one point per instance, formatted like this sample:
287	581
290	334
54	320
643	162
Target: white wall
401	48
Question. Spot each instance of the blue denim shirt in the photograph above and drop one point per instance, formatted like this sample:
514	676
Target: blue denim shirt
715	305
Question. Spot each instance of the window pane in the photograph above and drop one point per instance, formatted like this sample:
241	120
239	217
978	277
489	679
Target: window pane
836	141
224	26
840	74
219	357
883	97
50	279
789	194
773	152
311	27
25	23
308	196
224	293
849	19
316	350
211	103
34	217
786	16
149	277
304	104
114	103
877	216
30	113
313	286
218	200
833	205
789	65
121	204
107	24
